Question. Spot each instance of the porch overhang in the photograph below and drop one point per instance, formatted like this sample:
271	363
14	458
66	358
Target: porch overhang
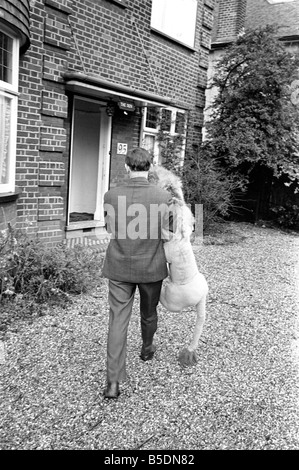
79	83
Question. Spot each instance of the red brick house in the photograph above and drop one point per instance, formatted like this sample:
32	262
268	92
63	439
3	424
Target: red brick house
81	82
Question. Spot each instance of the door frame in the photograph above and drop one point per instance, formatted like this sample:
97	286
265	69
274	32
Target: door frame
104	156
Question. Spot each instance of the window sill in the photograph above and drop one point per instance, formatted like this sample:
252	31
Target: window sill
121	3
173	40
9	197
84	224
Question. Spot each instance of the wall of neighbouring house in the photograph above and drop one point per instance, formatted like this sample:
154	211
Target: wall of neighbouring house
285	15
229	20
102	39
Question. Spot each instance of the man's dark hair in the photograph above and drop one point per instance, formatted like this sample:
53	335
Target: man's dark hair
139	159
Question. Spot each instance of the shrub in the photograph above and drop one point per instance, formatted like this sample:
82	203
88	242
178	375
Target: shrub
287	216
206	182
39	273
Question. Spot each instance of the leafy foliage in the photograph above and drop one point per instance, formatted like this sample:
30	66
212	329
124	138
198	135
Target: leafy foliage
253	119
170	146
205	182
286	216
31	270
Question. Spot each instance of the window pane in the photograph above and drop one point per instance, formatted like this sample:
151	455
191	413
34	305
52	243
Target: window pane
166	120
151	118
149	143
5	130
180	123
5	58
175	18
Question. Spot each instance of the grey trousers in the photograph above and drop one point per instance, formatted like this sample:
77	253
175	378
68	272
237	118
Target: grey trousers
121	298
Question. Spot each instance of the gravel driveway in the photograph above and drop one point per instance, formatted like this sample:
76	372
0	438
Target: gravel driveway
242	394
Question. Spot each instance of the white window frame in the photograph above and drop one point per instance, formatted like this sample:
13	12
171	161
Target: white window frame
153	132
175	19
10	91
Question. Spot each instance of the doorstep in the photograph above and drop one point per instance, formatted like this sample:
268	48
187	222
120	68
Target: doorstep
88	233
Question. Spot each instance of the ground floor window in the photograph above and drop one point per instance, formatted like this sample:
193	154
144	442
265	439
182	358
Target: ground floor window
7	140
9	50
164	133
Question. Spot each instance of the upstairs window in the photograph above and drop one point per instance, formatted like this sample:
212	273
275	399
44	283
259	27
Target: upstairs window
164	133
175	19
9	53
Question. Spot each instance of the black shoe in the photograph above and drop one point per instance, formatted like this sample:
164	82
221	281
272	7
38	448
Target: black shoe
147	356
112	390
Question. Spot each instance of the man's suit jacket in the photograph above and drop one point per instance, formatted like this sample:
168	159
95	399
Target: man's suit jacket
136	212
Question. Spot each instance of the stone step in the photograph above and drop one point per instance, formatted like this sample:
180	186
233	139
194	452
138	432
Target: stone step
98	243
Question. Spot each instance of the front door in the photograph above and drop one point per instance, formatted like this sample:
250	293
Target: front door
90	162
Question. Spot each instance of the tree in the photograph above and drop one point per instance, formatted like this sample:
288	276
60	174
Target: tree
254	123
205	182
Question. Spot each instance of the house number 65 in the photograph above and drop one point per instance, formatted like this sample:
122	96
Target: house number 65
122	149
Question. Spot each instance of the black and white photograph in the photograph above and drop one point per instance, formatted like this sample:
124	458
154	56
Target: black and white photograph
149	228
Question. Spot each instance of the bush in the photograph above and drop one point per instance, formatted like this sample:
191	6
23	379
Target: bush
287	216
206	182
38	273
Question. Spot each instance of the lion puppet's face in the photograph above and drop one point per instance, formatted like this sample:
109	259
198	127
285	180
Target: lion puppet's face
183	217
167	180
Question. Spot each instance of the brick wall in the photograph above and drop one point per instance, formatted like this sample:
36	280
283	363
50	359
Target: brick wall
121	135
104	40
42	123
232	15
230	19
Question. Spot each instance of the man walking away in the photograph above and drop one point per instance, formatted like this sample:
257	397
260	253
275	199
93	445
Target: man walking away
135	212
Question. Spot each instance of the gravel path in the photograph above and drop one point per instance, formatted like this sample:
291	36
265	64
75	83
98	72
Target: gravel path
243	393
